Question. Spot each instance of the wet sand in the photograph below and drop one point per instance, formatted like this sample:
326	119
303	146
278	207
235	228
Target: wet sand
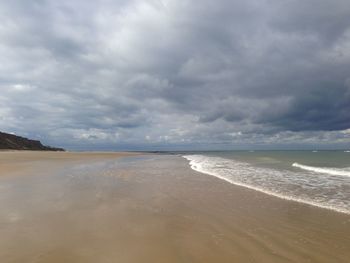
153	209
22	162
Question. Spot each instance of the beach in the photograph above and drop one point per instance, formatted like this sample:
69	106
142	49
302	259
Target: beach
130	207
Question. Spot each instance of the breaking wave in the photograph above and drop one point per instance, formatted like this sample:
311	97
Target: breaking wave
324	170
329	190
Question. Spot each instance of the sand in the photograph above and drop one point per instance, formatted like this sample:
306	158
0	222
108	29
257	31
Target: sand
18	161
102	208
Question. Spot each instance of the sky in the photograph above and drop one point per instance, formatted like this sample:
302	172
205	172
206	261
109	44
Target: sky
176	74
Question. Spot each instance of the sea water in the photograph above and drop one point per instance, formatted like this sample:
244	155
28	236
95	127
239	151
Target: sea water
319	178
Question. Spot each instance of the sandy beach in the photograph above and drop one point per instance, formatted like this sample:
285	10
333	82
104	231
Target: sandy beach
127	207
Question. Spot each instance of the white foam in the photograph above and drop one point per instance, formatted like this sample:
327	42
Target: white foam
284	184
324	170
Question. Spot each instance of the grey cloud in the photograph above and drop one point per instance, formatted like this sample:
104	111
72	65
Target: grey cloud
328	20
167	73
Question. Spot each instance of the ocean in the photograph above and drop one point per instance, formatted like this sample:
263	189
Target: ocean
319	178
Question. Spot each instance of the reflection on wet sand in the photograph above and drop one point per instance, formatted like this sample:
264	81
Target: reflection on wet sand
153	209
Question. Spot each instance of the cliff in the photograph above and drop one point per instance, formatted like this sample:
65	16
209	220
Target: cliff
13	142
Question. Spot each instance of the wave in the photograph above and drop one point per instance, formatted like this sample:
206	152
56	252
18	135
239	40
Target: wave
324	170
325	191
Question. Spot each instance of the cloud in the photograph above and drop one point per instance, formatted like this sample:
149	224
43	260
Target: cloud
152	73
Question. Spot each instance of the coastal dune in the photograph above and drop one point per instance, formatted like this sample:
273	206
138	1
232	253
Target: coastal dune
127	207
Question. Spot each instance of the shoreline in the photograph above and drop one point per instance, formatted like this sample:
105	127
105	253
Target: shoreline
22	158
14	165
275	195
282	196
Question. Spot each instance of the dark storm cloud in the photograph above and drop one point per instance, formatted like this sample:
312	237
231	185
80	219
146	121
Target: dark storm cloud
164	72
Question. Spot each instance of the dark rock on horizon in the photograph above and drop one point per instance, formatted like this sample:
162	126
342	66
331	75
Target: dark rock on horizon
13	142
